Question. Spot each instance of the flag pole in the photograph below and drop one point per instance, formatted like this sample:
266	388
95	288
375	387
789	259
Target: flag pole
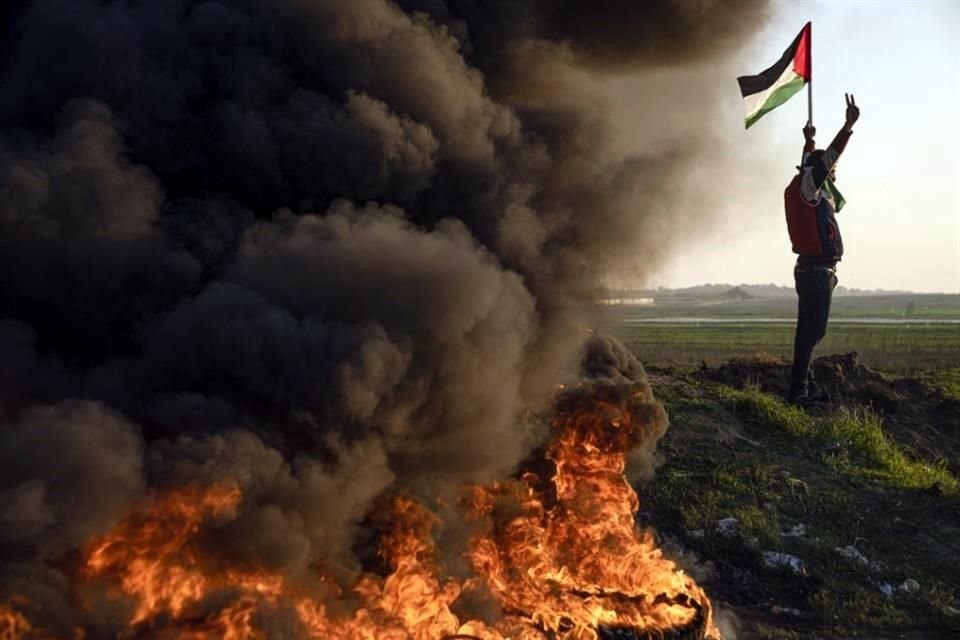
810	71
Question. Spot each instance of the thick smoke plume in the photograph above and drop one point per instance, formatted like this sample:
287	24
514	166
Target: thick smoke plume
322	249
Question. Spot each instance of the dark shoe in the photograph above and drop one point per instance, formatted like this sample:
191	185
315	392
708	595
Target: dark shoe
807	401
796	392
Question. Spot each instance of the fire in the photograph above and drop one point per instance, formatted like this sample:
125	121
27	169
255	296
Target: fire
12	624
558	551
152	555
577	563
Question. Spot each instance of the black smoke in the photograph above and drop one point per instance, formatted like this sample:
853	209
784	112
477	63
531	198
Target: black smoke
320	248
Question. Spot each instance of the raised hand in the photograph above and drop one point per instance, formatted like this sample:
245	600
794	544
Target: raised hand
809	131
853	111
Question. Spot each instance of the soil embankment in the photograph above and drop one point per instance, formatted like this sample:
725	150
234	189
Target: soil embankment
839	520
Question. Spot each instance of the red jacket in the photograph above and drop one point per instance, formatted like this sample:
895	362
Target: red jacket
810	211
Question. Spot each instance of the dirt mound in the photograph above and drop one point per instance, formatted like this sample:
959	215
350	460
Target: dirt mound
917	415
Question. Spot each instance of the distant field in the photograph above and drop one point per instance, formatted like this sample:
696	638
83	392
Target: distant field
896	333
891	306
899	349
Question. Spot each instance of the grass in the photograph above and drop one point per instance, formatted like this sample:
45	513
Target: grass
947	380
899	349
916	334
890	307
850	440
747	455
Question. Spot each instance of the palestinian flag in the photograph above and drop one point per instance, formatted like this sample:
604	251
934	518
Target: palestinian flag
767	91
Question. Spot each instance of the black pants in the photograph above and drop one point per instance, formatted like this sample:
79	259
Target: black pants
815	291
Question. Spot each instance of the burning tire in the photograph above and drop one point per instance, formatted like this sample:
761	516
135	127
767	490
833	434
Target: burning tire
696	629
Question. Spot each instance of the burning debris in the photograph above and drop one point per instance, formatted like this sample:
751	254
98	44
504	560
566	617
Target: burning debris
264	264
577	563
561	556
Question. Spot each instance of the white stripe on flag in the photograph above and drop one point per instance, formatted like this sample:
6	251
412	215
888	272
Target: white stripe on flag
756	101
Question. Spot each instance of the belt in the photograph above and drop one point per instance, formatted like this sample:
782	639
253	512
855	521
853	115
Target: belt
810	268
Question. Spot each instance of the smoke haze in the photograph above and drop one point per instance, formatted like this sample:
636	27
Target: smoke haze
321	249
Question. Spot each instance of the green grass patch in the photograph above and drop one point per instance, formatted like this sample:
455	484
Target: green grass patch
750	456
948	380
851	440
912	307
900	349
773	632
851	608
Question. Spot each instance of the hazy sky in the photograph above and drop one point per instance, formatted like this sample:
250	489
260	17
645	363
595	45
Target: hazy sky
900	173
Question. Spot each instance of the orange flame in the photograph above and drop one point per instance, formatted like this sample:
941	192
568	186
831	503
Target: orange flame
580	563
152	554
563	559
13	625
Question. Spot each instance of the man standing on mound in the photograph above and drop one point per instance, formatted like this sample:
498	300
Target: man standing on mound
812	201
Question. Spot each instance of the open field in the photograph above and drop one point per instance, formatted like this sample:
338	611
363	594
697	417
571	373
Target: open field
909	306
896	333
893	348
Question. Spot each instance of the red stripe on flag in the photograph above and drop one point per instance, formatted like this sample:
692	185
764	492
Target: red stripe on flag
802	63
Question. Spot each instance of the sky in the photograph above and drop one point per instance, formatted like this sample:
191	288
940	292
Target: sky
900	172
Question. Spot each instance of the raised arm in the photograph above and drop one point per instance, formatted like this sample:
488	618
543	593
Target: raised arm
820	170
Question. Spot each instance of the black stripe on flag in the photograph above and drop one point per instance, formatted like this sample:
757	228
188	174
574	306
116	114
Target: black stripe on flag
750	85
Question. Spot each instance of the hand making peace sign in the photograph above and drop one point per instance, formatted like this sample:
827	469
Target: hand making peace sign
853	111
